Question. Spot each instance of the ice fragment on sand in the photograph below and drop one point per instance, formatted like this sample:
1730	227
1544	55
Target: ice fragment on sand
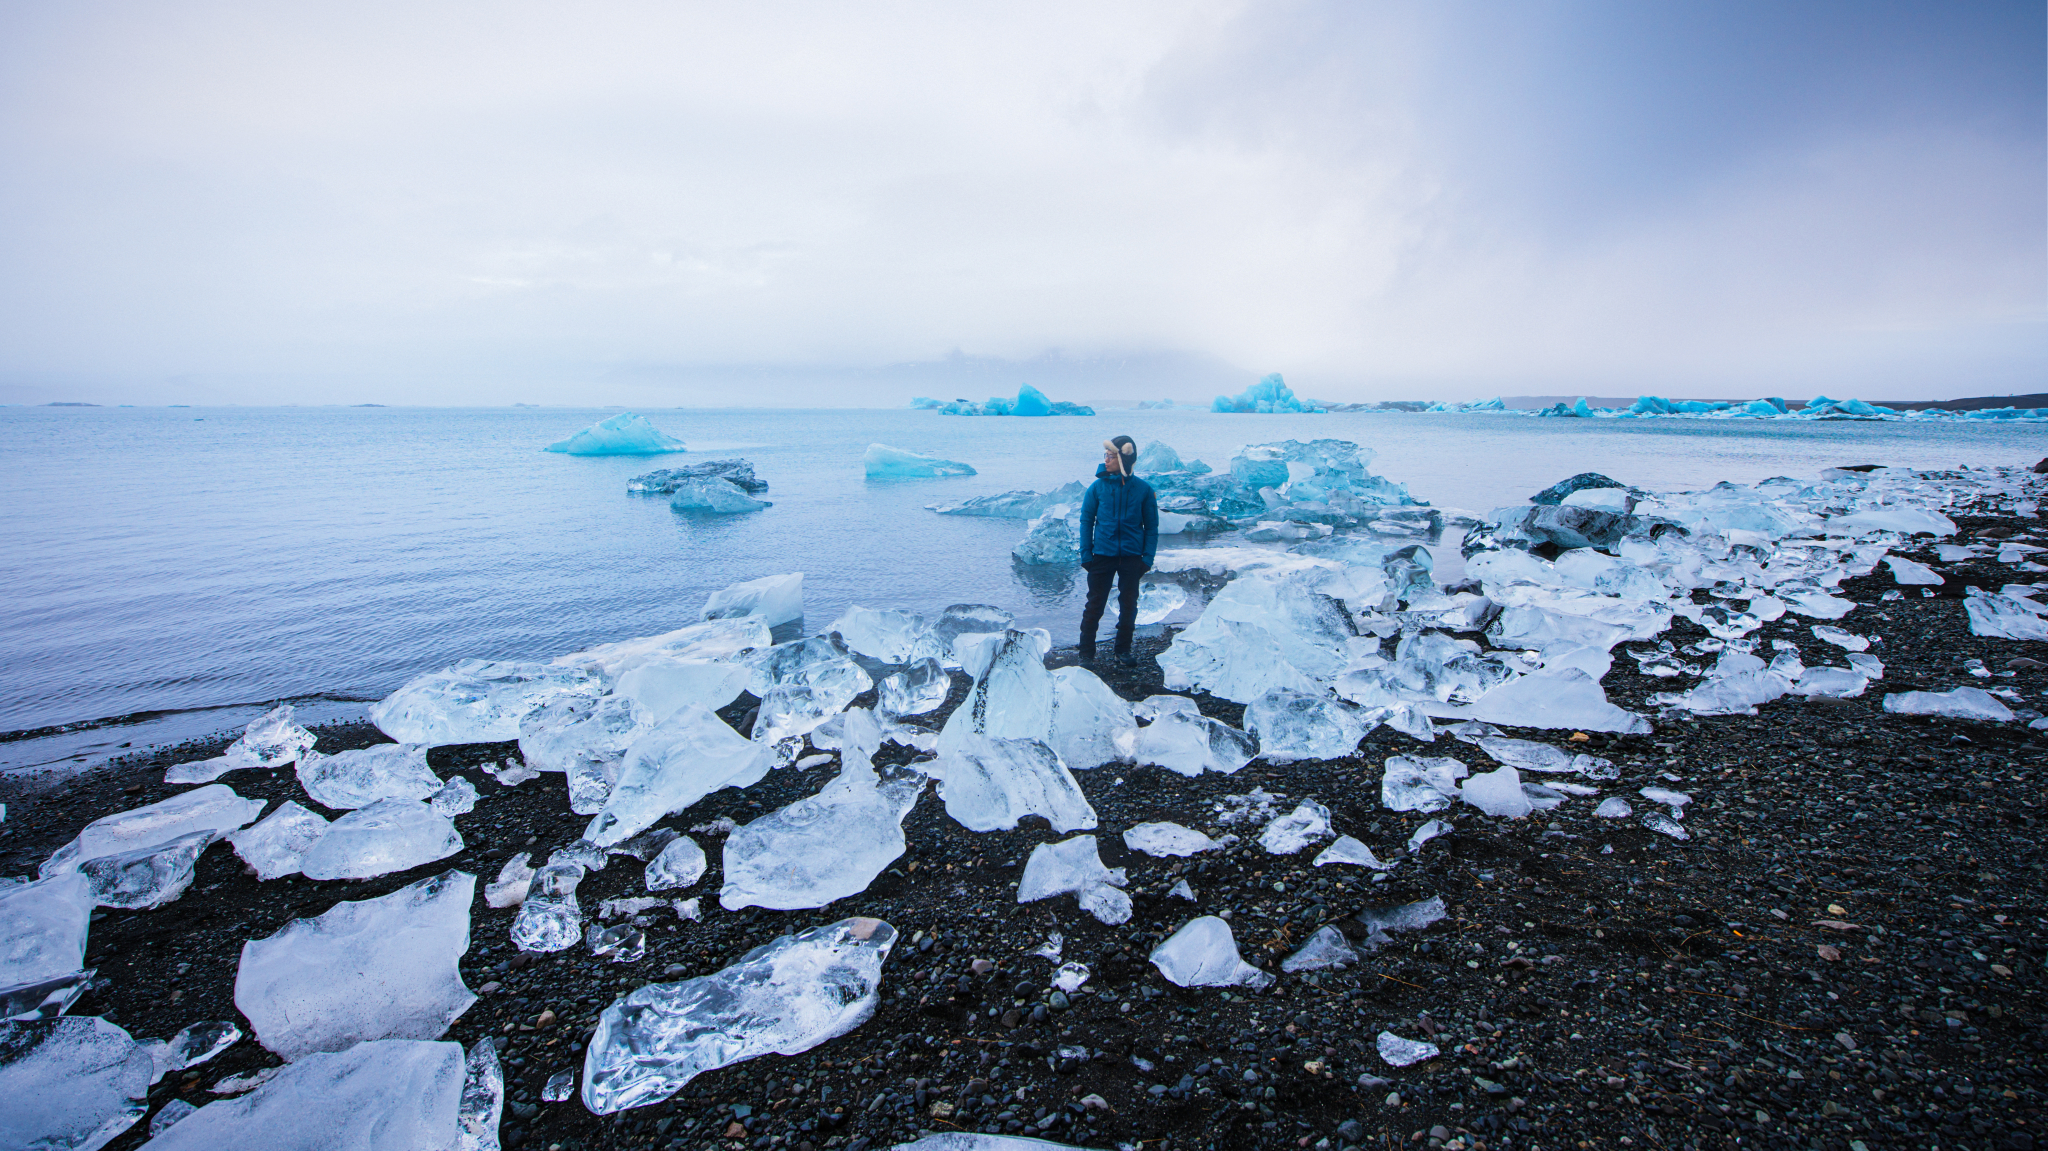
483	1099
916	689
509	890
1831	683
1181	890
550	919
1847	641
1052	948
620	943
1498	792
626	434
1421	783
1326	948
1158	600
1349	850
476	701
1614	807
1307	823
972	1141
679	865
147	876
456	797
990	784
1070	977
1399	1052
388	835
382	968
827	846
1181	739
786	997
272	740
1091	724
276	844
1427	832
2004	617
776	599
1168	839
42	944
1567	698
361	776
1203	953
214	808
198	1043
373	1096
681	760
1959	703
1905	571
1675	800
1528	755
1075	866
885	462
70	1083
1292	725
1663	824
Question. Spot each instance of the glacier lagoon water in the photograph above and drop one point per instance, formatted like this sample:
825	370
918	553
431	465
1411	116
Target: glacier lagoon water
186	567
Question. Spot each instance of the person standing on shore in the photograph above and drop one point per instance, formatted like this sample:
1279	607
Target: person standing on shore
1119	536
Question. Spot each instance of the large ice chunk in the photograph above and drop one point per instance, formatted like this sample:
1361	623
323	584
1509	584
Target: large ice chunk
1904	520
382	968
661	481
967	619
476	701
991	784
70	1083
786	997
147	876
2002	617
1417	783
1564	698
776	599
272	740
375	1096
1958	703
915	690
1181	739
885	635
587	738
1013	696
713	639
715	496
1259	633
885	462
389	835
550	918
214	808
679	864
662	684
277	845
1168	839
1015	505
1498	792
1288	834
1203	953
42	944
626	434
1052	538
1076	866
1292	725
830	845
686	757
1091	724
361	776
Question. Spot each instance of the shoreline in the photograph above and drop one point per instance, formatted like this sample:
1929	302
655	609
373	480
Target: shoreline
1675	991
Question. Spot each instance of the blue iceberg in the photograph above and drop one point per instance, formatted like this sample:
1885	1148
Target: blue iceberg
715	495
926	404
885	462
625	434
1271	394
1029	402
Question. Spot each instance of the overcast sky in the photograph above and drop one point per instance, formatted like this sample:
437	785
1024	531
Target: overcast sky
641	203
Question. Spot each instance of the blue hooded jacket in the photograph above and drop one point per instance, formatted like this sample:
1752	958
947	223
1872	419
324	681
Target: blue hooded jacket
1119	517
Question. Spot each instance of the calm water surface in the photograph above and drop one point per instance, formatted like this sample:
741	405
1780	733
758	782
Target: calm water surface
202	562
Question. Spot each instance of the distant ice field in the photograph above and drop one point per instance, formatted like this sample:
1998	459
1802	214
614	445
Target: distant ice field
202	562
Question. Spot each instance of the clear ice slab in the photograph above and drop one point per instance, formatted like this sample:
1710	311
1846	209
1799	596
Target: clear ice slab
74	1082
681	760
680	864
991	784
382	968
476	701
1326	948
1076	866
1421	783
1203	953
148	876
662	684
715	495
1563	699
550	918
277	844
1181	739
389	835
375	1096
915	690
1498	793
1958	703
272	740
214	807
42	944
1293	725
1166	840
1091	724
784	997
360	777
1288	834
1399	1052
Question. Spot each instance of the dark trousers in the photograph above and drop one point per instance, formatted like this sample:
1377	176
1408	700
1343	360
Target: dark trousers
1124	570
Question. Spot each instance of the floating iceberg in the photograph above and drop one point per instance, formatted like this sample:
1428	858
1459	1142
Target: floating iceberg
1159	457
1270	395
148	876
1169	839
1076	866
214	807
42	945
715	497
1029	402
371	1097
776	599
784	997
1016	505
359	777
625	434
382	968
1052	538
272	740
1291	725
885	462
991	784
830	845
1958	703
71	1083
1181	739
476	701
388	835
739	473
1203	953
686	757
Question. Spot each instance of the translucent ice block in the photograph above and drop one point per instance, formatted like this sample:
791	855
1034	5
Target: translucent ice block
359	777
214	807
1075	866
1203	953
374	1096
389	835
